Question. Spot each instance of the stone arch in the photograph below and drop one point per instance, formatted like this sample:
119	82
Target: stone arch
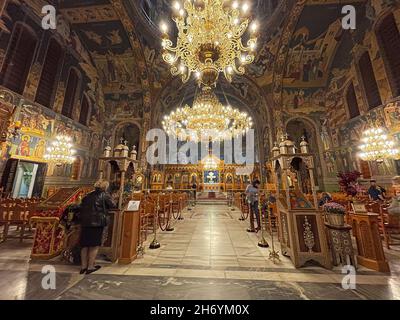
249	98
298	126
129	130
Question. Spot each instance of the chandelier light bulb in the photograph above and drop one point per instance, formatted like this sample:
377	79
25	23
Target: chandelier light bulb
164	27
254	26
177	5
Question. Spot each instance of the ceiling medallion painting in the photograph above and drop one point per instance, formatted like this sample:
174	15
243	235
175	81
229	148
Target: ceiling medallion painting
205	116
210	40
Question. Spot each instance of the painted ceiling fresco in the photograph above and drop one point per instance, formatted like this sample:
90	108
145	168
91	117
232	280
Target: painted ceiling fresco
303	58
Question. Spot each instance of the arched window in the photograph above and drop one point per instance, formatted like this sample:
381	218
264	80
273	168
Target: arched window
83	117
18	60
369	81
48	83
70	93
389	39
352	104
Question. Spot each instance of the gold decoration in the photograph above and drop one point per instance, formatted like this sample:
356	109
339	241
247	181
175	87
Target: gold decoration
207	115
210	40
377	145
308	235
61	151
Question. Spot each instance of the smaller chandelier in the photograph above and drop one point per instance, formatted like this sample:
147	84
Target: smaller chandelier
207	117
210	40
377	146
209	163
60	152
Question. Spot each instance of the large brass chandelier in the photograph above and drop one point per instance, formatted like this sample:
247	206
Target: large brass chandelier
210	40
60	152
377	145
206	117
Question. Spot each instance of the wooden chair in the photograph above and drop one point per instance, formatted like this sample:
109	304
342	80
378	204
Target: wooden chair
391	226
176	204
6	207
16	212
147	215
164	211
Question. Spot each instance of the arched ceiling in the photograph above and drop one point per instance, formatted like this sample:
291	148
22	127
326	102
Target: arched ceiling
301	48
241	93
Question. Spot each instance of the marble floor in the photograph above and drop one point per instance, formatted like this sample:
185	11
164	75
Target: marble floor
209	255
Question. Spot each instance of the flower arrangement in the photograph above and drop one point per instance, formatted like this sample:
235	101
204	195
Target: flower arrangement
333	207
348	182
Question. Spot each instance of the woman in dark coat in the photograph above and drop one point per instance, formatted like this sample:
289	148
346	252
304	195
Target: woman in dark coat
93	219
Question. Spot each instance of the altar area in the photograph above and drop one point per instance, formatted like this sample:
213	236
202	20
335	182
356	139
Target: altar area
210	174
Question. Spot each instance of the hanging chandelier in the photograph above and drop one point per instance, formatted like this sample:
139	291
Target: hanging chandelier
206	116
378	146
60	152
210	40
210	163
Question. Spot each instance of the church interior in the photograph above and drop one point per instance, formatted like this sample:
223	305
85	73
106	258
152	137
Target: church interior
250	149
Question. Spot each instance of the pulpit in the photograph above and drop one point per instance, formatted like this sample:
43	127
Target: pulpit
130	236
114	168
301	228
369	244
117	168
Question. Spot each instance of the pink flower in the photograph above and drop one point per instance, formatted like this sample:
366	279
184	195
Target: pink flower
333	207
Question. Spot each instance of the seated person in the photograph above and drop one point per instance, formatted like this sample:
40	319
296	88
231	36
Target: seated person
383	191
375	193
326	197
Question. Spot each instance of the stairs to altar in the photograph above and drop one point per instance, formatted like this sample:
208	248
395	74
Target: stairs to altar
204	198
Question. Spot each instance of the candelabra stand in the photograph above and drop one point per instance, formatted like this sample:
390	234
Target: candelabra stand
273	255
155	244
262	243
251	213
232	201
242	218
168	227
191	200
180	212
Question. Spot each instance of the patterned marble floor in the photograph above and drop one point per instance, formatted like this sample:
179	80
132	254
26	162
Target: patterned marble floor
209	255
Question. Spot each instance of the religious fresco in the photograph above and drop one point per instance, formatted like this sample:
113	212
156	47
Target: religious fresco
159	69
304	100
264	62
112	54
313	46
392	116
121	105
38	129
304	65
97	11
